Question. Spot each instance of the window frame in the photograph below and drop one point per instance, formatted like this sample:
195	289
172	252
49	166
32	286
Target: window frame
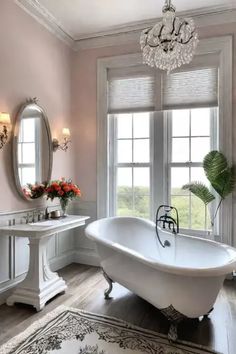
222	46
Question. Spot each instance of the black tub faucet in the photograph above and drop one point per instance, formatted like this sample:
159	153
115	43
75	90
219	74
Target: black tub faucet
166	221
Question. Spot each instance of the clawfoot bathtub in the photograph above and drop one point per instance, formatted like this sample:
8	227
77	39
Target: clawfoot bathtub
182	280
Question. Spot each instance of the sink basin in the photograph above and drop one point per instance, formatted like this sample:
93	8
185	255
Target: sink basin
47	223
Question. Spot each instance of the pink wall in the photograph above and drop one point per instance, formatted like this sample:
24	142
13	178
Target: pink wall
33	63
84	97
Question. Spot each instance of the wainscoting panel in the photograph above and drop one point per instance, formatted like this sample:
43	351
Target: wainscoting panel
65	242
85	249
51	250
21	253
5	259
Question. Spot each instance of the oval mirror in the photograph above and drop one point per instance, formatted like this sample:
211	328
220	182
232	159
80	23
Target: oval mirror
32	150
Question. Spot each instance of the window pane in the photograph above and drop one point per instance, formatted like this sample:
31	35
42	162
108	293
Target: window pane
124	202
198	174
28	153
124	150
199	148
141	125
142	178
200	122
124	126
19	153
141	205
180	122
182	205
28	130
198	214
28	175
179	177
180	149
124	177
141	150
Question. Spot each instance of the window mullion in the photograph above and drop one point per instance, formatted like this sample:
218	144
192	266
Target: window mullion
190	160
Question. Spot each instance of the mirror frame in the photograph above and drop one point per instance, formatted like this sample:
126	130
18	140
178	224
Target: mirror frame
29	102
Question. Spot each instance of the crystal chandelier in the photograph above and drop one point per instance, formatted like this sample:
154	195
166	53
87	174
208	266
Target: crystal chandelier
171	42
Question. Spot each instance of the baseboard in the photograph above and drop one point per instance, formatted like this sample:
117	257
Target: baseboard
62	261
87	256
7	289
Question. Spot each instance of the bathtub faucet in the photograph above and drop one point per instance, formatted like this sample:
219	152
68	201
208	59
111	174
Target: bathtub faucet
166	221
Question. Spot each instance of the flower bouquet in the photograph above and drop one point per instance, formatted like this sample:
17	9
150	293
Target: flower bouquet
64	190
34	191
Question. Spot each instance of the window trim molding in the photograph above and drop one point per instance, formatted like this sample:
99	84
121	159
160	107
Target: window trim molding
221	45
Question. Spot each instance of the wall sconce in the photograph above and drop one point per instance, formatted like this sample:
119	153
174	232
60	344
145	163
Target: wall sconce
65	143
5	127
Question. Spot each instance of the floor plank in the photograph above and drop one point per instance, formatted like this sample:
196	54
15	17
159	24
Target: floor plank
85	291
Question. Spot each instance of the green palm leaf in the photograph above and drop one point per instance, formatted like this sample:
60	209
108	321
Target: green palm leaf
218	172
200	190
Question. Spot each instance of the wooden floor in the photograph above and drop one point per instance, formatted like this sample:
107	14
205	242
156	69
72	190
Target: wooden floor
85	291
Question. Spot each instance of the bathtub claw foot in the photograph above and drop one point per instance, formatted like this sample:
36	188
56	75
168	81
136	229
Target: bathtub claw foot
173	334
110	283
208	313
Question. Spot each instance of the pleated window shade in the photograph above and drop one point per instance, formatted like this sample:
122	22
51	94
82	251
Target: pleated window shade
198	88
134	92
131	94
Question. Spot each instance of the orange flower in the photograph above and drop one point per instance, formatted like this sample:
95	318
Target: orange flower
66	188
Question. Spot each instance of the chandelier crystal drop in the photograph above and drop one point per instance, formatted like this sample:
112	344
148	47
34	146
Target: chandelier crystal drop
171	42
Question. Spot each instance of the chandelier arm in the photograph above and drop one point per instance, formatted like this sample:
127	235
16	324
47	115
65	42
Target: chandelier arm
186	42
173	30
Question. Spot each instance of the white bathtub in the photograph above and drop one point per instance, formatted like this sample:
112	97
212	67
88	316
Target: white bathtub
185	277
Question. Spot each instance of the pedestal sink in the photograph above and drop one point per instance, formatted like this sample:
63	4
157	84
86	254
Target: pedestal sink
40	283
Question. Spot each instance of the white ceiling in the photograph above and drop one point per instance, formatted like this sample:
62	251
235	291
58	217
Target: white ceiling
84	18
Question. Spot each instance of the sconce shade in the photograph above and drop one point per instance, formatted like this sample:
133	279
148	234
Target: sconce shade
65	143
66	132
5	123
5	118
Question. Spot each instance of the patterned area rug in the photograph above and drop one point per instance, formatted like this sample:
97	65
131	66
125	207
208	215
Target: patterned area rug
71	331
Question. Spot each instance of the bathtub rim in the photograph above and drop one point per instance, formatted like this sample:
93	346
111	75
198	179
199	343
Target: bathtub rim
178	270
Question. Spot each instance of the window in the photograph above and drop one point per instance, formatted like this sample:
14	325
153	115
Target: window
27	151
135	154
193	134
139	151
130	160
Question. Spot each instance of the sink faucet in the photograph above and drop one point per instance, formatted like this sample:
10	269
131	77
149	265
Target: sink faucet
47	214
167	221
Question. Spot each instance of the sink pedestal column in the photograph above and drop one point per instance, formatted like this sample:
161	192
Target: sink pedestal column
40	284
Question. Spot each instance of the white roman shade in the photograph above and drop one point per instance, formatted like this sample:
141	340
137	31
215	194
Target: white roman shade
131	94
136	89
196	88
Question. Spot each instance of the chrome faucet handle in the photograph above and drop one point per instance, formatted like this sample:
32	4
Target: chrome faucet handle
40	215
26	217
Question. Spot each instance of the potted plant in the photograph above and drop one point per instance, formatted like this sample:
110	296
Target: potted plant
64	190
222	181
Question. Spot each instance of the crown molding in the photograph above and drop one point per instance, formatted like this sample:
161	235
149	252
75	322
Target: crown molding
45	18
125	34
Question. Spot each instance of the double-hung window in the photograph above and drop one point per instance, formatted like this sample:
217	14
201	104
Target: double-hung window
131	164
192	133
27	148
